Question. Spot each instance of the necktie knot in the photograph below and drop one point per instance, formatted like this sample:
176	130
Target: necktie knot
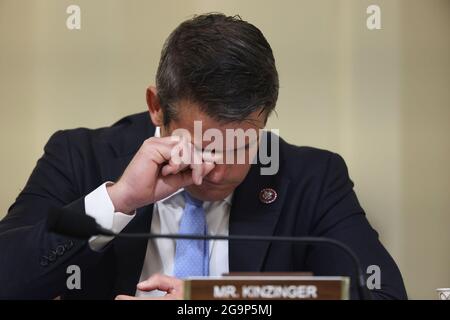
191	200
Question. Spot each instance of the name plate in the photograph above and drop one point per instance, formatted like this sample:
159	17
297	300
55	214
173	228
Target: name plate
267	288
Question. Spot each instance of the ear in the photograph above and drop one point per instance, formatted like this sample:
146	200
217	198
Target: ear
154	107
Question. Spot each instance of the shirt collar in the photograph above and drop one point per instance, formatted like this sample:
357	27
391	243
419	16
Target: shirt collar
227	200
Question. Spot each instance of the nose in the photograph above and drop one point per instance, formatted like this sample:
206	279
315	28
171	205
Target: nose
217	174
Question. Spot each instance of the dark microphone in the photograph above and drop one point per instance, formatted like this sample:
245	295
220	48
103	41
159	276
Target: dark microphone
74	224
79	225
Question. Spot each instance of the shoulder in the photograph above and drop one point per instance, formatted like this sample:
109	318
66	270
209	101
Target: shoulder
125	135
304	161
135	123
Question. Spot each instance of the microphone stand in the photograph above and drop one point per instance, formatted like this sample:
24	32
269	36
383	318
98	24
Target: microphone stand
361	285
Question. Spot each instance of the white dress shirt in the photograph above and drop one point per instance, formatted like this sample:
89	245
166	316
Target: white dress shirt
167	213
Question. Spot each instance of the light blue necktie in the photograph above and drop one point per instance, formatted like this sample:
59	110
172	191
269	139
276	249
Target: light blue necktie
192	256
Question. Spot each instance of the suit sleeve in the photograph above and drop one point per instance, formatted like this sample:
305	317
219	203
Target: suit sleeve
340	216
33	262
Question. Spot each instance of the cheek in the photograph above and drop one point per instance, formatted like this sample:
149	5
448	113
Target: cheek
237	173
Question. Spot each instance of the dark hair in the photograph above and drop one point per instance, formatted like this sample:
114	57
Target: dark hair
224	64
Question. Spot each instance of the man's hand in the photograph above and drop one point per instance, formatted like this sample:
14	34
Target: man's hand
153	175
172	286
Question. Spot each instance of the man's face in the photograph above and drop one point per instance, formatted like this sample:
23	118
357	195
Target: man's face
226	176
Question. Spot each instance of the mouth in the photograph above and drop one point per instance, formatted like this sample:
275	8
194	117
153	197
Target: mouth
211	183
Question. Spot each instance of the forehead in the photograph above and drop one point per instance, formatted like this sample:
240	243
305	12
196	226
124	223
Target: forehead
188	113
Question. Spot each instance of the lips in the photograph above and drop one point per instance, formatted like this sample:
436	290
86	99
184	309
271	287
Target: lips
211	183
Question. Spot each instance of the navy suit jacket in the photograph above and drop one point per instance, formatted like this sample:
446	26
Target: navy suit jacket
315	198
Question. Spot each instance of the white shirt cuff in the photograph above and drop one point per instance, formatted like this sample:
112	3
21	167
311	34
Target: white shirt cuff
98	205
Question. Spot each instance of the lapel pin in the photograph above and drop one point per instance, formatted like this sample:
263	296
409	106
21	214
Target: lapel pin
267	195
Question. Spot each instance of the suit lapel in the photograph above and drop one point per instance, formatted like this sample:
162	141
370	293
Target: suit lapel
250	216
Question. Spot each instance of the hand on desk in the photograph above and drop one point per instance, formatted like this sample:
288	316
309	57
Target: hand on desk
172	286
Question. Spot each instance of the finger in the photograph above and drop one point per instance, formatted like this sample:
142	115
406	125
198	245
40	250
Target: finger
166	186
170	169
202	171
207	168
197	166
175	159
197	176
175	182
125	297
185	178
173	168
160	282
161	150
181	157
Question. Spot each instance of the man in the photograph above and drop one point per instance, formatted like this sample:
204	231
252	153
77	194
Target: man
220	72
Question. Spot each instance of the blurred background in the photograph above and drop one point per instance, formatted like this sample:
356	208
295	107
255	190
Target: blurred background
380	98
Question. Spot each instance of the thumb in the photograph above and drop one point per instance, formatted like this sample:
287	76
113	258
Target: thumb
181	179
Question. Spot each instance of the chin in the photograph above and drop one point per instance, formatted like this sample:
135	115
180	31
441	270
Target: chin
208	193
